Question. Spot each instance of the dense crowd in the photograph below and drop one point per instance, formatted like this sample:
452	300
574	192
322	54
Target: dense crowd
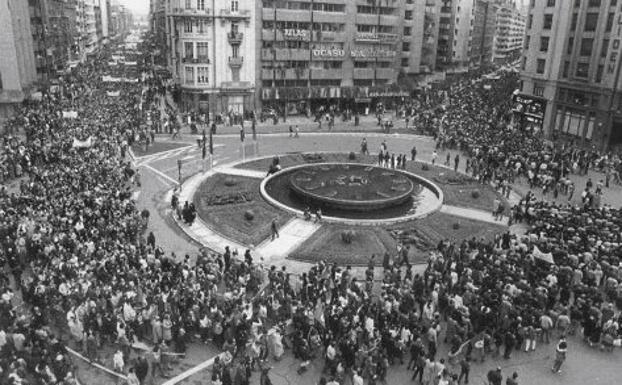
85	274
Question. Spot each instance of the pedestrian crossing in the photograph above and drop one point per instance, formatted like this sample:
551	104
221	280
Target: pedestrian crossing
184	153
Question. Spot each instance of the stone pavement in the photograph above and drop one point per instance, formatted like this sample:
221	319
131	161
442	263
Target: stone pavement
291	235
478	215
240	172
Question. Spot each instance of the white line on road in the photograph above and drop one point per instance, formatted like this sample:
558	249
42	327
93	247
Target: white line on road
160	173
179	149
182	376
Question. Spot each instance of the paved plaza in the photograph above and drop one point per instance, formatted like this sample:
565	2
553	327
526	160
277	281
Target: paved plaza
159	175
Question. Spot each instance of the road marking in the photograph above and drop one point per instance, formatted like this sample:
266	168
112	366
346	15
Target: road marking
182	376
160	173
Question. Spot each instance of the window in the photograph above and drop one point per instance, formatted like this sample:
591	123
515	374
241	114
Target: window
550	3
408	15
605	48
541	63
582	70
527	42
405	62
599	73
235	5
189	75
586	46
407	31
201	4
202	75
529	21
523	64
566	69
0	81
548	21
188	50
544	44
538	90
202	50
188	26
610	17
593	3
405	46
188	4
577	3
570	46
573	23
591	20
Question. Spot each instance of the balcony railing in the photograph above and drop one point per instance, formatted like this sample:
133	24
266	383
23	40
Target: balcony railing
241	14
236	62
190	12
235	38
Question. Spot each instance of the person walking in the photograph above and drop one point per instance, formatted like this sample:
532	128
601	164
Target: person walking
560	355
275	230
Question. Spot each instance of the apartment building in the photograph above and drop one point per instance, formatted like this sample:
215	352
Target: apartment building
510	32
347	53
211	53
17	62
570	72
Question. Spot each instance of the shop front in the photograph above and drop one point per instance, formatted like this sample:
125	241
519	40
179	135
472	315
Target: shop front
529	112
359	100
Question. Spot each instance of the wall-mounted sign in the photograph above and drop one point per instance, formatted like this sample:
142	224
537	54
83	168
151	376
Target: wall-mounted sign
529	106
376	37
329	52
296	34
371	53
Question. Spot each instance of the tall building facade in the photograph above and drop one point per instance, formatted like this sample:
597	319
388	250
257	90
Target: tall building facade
510	33
483	32
17	62
211	53
454	36
319	53
54	30
429	43
570	78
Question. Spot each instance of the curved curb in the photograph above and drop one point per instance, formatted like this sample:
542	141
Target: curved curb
359	222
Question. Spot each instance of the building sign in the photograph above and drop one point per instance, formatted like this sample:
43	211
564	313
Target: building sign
529	106
613	57
329	52
376	37
296	34
372	53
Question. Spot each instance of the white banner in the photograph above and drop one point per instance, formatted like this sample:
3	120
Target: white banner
70	114
114	94
82	143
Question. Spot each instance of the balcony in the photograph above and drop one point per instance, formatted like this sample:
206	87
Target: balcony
203	60
236	62
327	74
190	12
235	38
241	15
363	73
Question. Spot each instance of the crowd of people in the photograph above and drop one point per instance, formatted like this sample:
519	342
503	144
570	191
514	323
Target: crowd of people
84	275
